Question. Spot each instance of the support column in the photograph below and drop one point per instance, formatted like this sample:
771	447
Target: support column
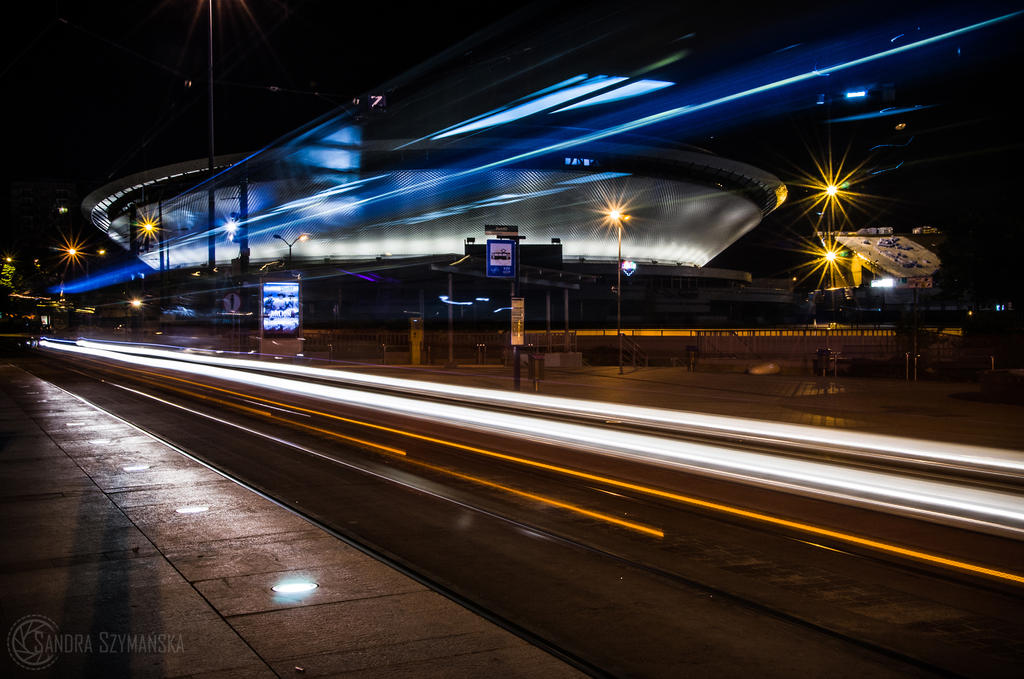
547	301
451	326
565	298
243	226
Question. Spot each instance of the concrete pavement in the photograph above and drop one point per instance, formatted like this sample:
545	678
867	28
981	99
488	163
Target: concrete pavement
109	568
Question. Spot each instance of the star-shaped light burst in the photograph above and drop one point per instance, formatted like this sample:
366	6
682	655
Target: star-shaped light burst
833	203
148	227
832	197
614	214
71	251
825	260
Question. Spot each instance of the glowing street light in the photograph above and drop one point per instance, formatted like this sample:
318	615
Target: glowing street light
617	217
302	237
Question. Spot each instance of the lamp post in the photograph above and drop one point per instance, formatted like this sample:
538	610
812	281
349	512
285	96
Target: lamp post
298	239
211	196
618	218
832	197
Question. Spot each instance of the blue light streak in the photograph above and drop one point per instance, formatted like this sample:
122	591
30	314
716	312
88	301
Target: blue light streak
101	279
444	298
888	169
690	109
557	86
879	146
543	103
633	89
600	176
318	205
884	113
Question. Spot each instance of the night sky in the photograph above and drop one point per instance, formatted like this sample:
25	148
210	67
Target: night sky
98	90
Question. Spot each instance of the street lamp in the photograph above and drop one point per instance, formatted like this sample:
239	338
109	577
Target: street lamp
211	196
302	237
617	217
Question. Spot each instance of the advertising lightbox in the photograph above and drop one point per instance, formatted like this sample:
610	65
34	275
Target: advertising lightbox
281	309
501	258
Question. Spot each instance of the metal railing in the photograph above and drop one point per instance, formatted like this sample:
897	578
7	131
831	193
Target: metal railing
632	353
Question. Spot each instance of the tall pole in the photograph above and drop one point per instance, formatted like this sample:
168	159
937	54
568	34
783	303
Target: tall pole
160	240
164	256
915	333
451	326
517	367
618	295
243	226
831	263
565	302
547	300
211	235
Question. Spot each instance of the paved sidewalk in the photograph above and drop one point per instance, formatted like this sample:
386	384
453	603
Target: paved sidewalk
101	575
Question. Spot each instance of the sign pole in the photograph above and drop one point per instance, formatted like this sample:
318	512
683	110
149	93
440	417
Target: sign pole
503	262
518	321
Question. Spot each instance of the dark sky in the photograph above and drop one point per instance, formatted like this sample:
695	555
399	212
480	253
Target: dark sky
98	90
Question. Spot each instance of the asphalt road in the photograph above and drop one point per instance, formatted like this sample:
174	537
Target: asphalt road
574	551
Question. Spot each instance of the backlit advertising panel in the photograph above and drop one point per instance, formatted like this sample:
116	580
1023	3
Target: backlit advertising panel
501	258
281	309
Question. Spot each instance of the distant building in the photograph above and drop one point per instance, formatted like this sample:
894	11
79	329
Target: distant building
903	261
369	202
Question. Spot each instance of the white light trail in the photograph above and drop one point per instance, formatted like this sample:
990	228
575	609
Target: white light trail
949	503
889	448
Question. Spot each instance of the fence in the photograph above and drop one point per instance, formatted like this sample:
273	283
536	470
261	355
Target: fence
393	347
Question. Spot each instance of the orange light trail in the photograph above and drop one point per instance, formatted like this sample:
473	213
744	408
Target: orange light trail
632	525
760	517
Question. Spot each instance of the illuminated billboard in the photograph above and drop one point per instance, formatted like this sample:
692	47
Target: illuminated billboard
501	258
281	309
